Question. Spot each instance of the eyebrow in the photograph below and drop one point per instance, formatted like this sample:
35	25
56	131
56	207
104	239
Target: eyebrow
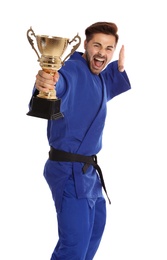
110	46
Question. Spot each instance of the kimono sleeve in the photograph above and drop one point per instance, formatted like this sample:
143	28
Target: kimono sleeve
116	82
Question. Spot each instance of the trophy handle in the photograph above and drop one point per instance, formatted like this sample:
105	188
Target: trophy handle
31	40
77	37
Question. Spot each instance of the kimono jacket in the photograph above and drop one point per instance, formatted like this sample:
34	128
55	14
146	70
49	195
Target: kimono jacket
84	97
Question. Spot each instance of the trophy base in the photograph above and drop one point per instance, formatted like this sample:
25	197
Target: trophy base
45	108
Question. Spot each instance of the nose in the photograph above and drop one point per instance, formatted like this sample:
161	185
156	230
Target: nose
101	52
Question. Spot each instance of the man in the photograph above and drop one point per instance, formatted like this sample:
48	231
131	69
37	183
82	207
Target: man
84	84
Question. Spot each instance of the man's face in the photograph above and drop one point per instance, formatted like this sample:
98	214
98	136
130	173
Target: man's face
99	51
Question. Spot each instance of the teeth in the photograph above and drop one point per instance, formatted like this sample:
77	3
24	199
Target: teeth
99	59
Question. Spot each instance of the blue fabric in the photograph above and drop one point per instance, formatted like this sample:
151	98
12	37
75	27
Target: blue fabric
80	226
84	96
78	197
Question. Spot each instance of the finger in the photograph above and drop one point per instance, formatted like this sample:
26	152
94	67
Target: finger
44	77
44	85
121	59
56	77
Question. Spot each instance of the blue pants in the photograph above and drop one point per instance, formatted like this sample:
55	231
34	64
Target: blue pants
80	226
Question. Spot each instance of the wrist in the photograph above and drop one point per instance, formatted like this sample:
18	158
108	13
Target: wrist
121	68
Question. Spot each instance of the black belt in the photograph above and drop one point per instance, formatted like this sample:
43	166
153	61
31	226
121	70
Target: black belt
62	156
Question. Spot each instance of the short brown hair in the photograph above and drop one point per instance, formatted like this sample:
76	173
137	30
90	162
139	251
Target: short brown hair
102	27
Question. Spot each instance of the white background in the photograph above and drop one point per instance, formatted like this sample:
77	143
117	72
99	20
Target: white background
133	158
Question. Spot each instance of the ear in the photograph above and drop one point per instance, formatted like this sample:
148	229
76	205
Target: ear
85	44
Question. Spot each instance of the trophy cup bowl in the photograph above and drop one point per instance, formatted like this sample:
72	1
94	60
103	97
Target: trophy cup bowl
52	48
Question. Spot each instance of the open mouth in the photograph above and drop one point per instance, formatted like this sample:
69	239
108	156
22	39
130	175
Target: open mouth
98	62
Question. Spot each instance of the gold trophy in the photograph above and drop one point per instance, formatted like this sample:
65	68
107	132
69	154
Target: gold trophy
51	48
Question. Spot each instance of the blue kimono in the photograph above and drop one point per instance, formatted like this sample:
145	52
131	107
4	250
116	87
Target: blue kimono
84	96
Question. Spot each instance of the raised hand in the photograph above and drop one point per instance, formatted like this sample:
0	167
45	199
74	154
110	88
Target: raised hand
121	60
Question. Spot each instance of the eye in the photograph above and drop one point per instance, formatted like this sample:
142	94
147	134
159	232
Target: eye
96	45
110	48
